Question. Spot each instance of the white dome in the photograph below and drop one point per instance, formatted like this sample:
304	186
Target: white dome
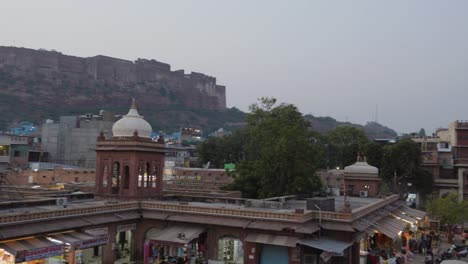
361	167
128	124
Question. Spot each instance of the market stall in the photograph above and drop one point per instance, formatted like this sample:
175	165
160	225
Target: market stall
176	243
36	250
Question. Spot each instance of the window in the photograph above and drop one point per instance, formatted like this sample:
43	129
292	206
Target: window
105	175
17	153
76	179
43	176
53	178
126	178
116	175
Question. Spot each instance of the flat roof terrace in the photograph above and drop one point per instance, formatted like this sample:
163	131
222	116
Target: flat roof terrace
229	207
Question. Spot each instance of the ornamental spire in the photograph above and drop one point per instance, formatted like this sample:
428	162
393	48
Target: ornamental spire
133	103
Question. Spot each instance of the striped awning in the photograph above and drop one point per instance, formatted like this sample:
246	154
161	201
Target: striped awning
79	240
285	241
32	248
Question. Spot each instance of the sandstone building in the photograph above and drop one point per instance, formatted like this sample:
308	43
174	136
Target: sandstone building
134	220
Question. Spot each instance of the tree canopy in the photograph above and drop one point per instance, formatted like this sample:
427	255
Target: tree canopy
401	167
448	209
344	143
279	153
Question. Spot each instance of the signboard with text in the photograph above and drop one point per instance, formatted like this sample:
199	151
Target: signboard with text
89	243
39	253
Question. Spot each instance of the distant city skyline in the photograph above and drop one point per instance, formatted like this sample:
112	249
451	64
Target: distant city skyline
338	59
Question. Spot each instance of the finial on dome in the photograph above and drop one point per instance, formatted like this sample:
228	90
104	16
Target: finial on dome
133	103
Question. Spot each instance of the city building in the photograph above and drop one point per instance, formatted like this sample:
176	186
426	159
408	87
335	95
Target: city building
72	139
445	156
361	179
136	218
14	151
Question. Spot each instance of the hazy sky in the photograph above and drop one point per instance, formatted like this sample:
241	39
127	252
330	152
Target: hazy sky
330	58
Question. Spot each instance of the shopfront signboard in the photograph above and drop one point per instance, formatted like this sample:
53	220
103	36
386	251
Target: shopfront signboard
127	227
89	243
39	253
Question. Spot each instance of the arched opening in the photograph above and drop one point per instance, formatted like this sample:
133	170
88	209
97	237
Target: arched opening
115	177
126	178
105	176
148	176
230	250
155	176
140	176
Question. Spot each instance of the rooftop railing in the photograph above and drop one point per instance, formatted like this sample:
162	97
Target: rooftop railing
28	216
185	207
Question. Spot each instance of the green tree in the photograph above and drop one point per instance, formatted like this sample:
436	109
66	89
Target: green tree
449	210
344	143
374	153
280	153
401	168
221	150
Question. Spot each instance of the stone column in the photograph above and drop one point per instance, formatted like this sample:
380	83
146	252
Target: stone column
108	253
354	251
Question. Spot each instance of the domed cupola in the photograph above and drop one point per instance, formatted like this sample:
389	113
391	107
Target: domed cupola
131	123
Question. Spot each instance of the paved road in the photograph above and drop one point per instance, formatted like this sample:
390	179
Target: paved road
419	258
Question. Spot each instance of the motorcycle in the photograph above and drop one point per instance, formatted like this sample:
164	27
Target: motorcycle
458	251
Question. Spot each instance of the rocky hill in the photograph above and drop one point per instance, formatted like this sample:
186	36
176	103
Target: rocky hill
373	130
38	84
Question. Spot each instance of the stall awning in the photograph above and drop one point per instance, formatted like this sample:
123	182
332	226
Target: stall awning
419	215
326	244
285	241
179	234
390	226
9	232
79	240
338	226
32	248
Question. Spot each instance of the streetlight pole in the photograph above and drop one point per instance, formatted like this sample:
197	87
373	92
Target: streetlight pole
320	219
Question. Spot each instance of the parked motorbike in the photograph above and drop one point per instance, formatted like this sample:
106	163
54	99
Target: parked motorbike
458	251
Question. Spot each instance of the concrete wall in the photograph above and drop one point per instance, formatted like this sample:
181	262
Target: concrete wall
46	177
72	141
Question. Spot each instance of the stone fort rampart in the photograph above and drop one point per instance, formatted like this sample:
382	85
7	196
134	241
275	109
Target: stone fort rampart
194	90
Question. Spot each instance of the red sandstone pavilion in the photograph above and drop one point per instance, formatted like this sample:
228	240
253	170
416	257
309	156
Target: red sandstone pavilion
135	218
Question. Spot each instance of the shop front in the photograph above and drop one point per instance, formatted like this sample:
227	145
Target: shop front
324	250
274	249
386	239
176	243
81	248
230	250
36	250
124	239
